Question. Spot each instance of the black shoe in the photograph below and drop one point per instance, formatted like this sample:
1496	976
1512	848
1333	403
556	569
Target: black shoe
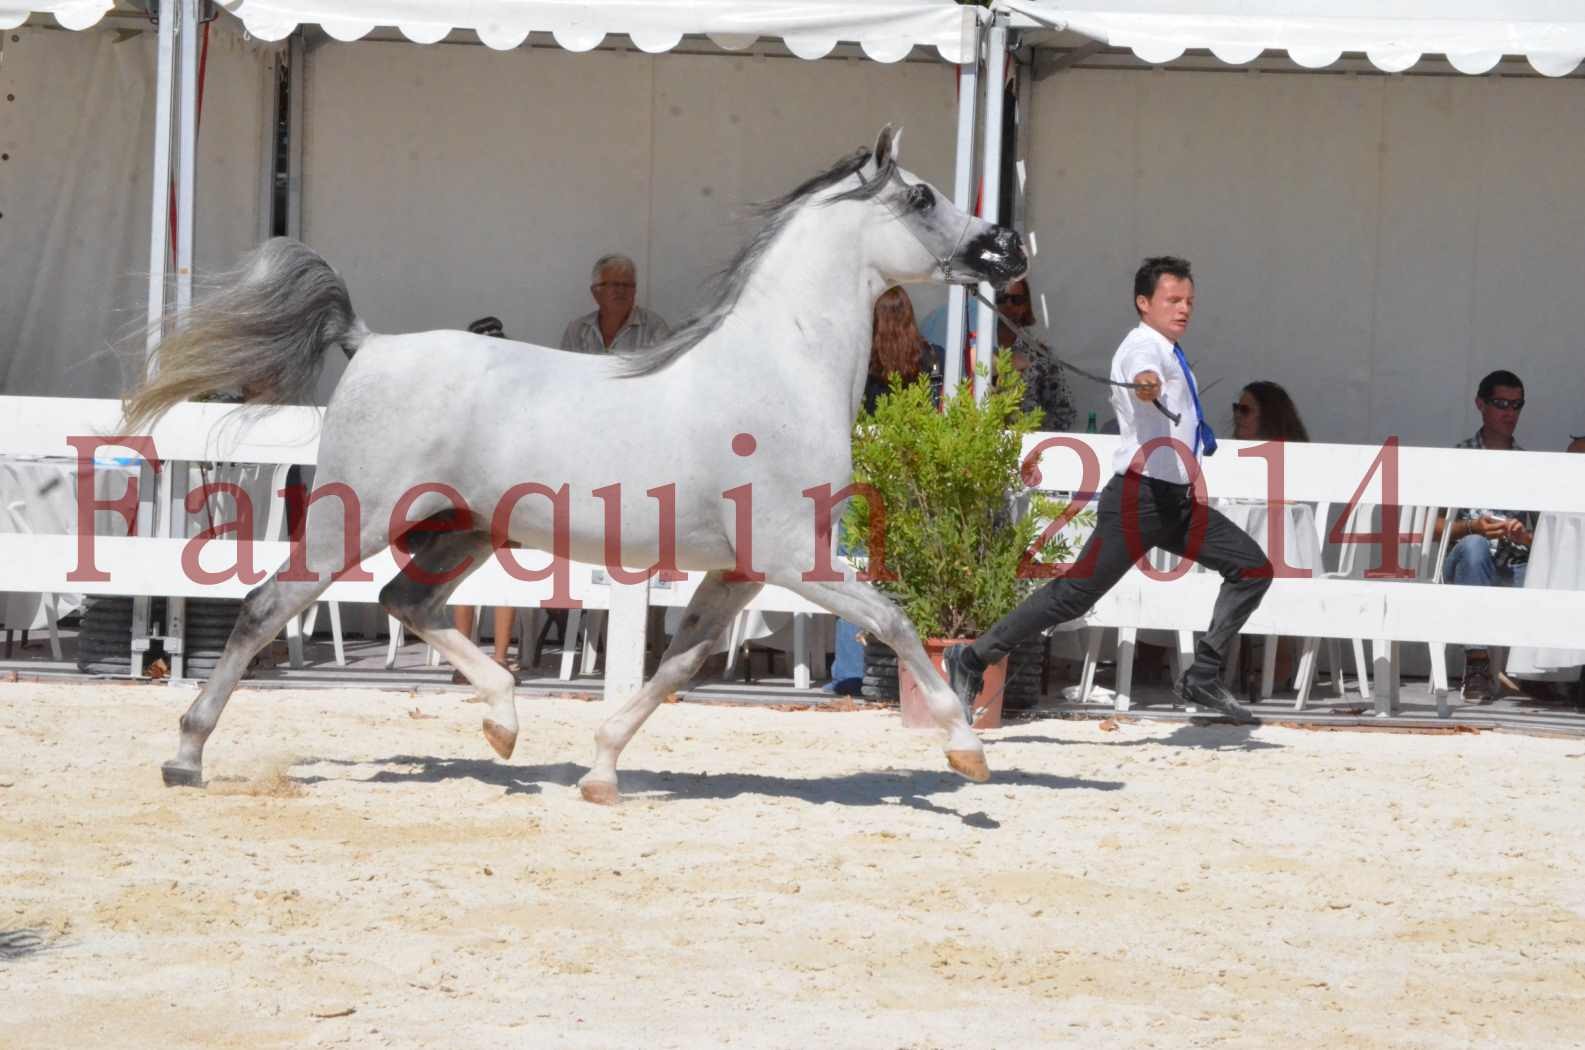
1213	696
1476	686
964	682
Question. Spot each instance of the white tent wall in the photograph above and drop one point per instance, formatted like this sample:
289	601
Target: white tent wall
1376	244
75	195
450	181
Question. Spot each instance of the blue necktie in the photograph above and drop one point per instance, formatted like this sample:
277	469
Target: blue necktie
1203	438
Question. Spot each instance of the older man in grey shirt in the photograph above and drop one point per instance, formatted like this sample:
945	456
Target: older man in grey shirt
618	323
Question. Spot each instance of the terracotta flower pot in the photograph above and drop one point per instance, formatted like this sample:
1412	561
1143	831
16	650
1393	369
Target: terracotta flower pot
916	713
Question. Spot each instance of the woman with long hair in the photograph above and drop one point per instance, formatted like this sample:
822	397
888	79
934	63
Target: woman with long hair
1265	412
897	348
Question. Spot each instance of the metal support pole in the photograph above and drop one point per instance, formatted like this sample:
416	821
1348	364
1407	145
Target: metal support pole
160	219
159	226
177	475
990	187
186	152
963	197
297	55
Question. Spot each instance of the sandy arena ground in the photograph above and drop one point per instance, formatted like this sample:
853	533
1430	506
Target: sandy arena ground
361	872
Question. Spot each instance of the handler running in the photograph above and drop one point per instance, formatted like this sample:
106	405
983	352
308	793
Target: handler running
1148	503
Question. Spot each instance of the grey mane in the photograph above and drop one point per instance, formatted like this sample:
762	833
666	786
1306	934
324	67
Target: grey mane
731	281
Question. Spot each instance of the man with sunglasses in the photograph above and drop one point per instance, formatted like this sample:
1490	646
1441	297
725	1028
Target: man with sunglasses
1489	547
618	322
1045	387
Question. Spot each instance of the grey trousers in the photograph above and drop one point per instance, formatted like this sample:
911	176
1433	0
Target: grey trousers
1164	515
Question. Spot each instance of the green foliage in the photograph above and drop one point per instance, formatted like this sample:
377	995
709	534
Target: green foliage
947	481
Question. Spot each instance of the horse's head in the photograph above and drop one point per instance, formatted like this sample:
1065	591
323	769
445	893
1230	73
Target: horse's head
923	236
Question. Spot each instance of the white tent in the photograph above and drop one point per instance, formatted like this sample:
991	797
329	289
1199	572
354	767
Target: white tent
883	30
1435	199
1371	228
1393	34
886	29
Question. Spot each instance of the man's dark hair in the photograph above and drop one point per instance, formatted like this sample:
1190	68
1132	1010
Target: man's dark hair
1152	270
1493	380
487	326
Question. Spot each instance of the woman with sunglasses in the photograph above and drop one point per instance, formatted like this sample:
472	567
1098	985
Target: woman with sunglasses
1265	412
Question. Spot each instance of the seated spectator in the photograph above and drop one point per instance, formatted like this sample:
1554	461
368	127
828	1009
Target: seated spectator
897	349
1045	387
462	615
1265	412
617	323
1490	548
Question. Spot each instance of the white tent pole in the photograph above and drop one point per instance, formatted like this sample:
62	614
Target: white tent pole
159	229
963	197
186	152
160	216
296	86
990	185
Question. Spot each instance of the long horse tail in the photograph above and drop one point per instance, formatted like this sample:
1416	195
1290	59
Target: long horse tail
261	335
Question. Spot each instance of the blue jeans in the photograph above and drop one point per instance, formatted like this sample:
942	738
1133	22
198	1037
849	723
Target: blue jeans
1470	563
848	665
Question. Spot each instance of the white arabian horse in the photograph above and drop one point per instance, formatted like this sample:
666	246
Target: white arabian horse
760	390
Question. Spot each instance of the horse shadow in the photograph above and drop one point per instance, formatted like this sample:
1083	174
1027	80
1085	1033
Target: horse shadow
19	944
1206	734
916	789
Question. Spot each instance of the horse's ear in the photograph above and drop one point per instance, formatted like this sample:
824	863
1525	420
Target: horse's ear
886	144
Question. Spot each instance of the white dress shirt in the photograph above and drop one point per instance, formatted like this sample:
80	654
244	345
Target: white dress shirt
1146	350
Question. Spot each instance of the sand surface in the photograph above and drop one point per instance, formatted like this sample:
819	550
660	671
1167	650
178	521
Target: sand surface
361	872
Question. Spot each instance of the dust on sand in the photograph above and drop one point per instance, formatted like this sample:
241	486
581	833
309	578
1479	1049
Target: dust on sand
354	875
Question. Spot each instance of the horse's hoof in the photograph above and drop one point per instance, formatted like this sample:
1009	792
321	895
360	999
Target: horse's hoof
179	775
971	764
504	740
600	792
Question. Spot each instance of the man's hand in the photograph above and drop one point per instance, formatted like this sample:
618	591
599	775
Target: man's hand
1147	386
1515	531
1489	527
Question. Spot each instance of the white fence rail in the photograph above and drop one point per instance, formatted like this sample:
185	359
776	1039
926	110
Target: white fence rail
1332	476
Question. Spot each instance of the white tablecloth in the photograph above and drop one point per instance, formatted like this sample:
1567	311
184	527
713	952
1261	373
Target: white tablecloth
40	495
1557	563
1301	548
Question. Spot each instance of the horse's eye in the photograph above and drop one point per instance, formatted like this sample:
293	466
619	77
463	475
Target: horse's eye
920	198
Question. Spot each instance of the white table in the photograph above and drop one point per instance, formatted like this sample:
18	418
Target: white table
39	495
1301	551
1557	563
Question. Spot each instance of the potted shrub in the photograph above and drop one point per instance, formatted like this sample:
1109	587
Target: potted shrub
950	485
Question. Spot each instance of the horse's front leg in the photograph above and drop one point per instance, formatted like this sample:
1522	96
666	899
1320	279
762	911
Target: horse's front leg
860	603
707	616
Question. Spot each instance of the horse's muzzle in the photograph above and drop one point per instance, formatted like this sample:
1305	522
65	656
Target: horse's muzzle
997	256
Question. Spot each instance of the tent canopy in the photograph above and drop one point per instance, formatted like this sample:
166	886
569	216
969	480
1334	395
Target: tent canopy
1393	34
886	29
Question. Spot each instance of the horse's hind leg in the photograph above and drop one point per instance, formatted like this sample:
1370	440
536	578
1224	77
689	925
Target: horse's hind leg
264	612
712	608
860	603
420	604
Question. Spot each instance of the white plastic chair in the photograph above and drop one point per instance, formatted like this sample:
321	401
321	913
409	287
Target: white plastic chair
1347	568
49	600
